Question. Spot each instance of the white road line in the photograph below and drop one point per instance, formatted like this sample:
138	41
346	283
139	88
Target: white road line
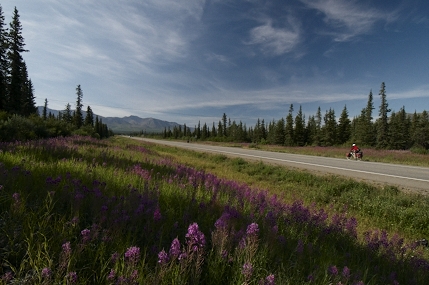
312	164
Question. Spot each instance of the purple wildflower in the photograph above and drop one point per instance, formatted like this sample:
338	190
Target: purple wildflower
66	248
134	276
112	274
163	257
7	276
333	270
346	272
132	254
269	280
195	237
86	235
247	270
114	258
46	273
175	248
157	215
72	277
16	197
252	229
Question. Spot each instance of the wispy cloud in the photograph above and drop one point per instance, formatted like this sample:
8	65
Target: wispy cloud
276	40
347	18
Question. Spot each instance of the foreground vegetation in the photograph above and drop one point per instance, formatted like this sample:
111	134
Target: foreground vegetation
78	210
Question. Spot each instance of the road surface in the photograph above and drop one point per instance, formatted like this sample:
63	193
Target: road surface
407	178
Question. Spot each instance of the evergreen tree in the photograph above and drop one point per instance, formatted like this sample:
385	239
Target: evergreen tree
399	130
224	125
421	132
67	114
213	134
318	133
299	132
279	132
45	110
78	115
28	104
289	139
383	124
16	80
311	130
368	134
344	127
330	128
3	63
89	118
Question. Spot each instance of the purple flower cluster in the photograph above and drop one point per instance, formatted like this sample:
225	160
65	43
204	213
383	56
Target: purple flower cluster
132	255
195	237
247	270
252	229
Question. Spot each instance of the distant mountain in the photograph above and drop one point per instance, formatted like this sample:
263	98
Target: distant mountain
126	125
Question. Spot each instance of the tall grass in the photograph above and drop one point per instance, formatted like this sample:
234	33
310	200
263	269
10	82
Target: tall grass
82	211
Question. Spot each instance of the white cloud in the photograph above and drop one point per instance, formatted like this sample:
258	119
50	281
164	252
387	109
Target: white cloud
347	18
276	41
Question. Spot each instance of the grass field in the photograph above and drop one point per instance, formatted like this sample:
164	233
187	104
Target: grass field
83	211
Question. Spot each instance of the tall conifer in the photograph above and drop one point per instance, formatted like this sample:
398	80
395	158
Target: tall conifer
16	80
383	124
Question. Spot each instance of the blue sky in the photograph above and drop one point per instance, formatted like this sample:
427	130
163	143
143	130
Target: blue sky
193	60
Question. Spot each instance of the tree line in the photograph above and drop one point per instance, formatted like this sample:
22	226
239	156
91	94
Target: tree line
391	130
19	116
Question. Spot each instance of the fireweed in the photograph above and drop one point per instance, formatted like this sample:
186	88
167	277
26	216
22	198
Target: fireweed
120	214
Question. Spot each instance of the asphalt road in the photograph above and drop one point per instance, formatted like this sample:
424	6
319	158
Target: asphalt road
406	178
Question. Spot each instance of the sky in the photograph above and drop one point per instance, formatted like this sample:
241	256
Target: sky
191	61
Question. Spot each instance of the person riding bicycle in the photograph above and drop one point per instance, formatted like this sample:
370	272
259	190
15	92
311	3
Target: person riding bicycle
353	150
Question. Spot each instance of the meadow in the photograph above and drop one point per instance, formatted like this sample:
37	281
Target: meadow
78	210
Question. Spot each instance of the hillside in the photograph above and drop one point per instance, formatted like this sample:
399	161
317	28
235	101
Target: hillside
130	124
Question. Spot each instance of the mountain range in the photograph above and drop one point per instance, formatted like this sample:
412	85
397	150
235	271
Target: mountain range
127	125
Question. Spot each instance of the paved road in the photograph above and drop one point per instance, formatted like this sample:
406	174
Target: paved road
407	178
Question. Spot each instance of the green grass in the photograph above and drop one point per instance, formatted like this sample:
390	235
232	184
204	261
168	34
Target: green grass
83	211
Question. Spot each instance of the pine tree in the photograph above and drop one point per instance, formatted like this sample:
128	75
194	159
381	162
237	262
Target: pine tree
45	110
16	80
330	128
344	127
368	135
318	135
382	123
3	62
89	118
78	115
299	132
67	114
421	132
28	103
279	132
289	139
399	130
224	133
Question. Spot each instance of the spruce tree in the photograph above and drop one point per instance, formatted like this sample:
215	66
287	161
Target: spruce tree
16	61
399	130
344	127
3	62
279	132
299	131
368	135
329	130
67	114
289	139
89	118
383	123
45	110
78	115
